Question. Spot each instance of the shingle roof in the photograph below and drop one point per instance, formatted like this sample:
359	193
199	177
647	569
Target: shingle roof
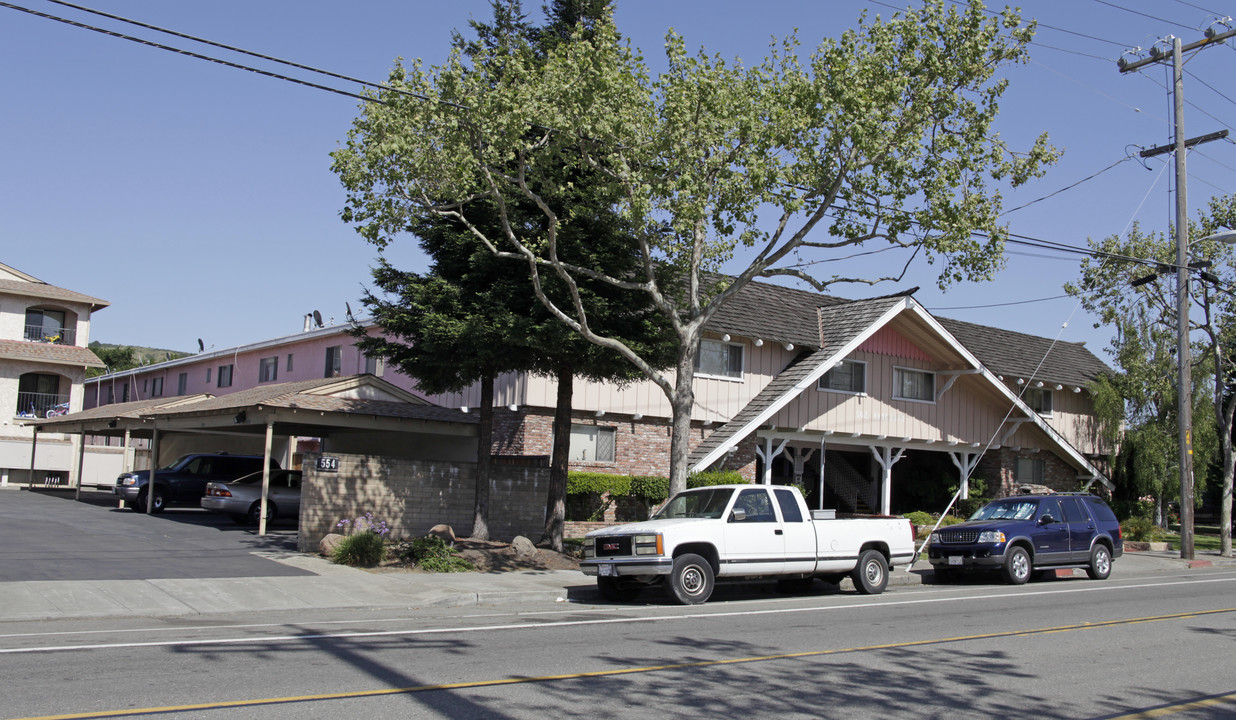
132	409
49	353
773	312
1017	354
50	292
837	325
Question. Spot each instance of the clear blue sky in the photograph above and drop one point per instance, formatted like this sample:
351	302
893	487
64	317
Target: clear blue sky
198	199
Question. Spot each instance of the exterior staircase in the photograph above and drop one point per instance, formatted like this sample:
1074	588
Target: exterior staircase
852	488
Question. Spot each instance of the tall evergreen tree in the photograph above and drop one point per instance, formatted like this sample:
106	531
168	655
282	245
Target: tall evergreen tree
475	315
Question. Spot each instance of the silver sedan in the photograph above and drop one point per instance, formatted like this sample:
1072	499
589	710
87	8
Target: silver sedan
242	498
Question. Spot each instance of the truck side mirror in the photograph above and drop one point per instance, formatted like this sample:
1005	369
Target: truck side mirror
738	515
1047	520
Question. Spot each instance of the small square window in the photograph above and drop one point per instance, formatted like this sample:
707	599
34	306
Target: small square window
847	376
1039	400
268	369
590	443
719	359
910	384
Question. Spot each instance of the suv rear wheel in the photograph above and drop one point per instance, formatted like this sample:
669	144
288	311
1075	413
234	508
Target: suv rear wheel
1100	563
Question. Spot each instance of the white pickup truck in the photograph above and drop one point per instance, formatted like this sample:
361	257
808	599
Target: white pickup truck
729	532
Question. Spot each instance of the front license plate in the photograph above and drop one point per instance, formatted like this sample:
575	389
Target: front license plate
954	559
606	570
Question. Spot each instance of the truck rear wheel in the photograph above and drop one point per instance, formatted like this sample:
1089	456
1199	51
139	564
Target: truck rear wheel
691	581
871	574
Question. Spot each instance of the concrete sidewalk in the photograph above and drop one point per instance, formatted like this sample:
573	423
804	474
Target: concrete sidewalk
328	586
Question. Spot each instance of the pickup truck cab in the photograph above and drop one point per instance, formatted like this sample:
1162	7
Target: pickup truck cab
741	532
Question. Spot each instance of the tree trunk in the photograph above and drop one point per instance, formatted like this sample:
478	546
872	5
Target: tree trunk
1228	405
484	449
681	404
555	504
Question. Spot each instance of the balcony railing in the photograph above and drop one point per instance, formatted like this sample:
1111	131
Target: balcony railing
59	336
41	405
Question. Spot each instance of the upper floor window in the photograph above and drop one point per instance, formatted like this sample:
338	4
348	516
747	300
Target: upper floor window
590	443
289	362
225	376
207	376
48	326
334	361
268	369
182	383
373	365
719	359
911	384
156	387
1039	400
848	376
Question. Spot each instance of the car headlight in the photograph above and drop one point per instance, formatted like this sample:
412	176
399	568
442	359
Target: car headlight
648	545
128	480
935	538
991	536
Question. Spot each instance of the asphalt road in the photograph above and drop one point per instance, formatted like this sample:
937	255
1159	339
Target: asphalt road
47	535
1058	649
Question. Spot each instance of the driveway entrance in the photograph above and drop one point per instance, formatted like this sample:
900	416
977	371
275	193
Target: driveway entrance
47	535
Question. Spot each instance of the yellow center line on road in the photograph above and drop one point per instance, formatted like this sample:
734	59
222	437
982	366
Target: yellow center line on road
1182	707
221	705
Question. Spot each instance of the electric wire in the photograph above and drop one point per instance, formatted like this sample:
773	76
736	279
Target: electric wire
1068	187
242	51
1145	15
996	305
187	53
1210	87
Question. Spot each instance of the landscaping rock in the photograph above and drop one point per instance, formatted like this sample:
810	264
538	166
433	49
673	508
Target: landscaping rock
327	545
446	532
523	547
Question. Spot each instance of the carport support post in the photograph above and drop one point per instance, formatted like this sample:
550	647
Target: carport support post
126	463
34	445
77	468
154	465
965	462
270	431
884	456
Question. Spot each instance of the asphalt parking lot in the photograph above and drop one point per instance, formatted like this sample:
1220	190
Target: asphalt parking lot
49	535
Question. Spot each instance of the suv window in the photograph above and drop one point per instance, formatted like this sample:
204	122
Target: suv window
1050	506
1073	511
1102	513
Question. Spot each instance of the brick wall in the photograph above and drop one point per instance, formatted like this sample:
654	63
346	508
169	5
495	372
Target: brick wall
999	469
414	495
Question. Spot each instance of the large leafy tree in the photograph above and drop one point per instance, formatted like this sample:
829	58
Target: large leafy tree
1107	288
475	314
880	138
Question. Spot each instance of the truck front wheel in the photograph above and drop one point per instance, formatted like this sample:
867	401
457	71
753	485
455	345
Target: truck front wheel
871	574
691	582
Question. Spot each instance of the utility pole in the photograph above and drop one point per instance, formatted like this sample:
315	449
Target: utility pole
1184	392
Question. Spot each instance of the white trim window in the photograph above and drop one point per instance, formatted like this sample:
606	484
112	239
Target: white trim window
1039	400
719	359
268	369
590	443
847	376
914	384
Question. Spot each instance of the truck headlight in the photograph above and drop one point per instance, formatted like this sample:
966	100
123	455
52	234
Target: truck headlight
128	480
935	538
991	536
648	545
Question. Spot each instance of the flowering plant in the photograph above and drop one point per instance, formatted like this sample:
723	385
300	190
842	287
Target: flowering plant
364	523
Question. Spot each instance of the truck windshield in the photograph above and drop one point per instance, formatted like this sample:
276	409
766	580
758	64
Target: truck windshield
1008	510
702	503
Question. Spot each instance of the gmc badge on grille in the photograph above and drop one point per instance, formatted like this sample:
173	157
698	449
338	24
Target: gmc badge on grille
610	546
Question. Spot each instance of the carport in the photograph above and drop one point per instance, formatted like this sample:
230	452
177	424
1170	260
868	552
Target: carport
356	412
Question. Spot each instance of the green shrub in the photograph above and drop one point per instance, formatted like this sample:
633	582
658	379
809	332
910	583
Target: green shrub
713	477
1138	529
363	549
920	518
433	554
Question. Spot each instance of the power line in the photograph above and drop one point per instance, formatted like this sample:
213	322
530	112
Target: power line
995	305
1145	15
187	53
1067	187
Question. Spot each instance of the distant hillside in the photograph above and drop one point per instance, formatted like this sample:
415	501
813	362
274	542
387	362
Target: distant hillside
126	357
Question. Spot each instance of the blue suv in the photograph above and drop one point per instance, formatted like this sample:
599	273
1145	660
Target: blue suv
1024	533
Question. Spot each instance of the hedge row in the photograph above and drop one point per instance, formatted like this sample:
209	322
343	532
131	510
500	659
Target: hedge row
646	487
